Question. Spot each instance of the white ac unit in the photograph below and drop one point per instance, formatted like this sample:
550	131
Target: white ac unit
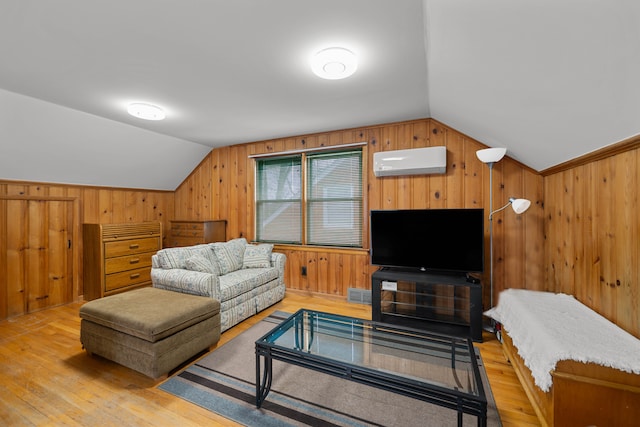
415	161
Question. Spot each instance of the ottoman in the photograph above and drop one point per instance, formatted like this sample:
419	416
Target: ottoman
150	330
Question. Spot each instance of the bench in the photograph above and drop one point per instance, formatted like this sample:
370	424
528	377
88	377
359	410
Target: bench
150	330
576	367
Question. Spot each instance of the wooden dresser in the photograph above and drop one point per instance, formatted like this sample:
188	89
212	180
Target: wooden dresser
189	233
117	257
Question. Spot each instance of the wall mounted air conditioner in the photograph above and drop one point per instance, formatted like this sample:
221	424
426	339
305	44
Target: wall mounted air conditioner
415	161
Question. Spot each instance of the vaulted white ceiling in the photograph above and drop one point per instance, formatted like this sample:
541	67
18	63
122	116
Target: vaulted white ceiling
549	80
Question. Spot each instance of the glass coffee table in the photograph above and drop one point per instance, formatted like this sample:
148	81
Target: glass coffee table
435	368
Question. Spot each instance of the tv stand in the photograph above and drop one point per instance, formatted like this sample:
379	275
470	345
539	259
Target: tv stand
440	302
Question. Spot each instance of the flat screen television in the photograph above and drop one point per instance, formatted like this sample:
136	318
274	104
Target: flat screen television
435	240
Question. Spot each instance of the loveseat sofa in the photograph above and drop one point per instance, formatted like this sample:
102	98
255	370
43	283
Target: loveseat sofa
245	278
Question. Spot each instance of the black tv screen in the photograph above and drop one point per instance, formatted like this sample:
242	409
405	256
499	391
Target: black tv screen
439	240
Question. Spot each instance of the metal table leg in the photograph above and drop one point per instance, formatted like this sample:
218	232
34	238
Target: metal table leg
263	386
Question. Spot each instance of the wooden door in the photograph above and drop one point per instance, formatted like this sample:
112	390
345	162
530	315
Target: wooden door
35	254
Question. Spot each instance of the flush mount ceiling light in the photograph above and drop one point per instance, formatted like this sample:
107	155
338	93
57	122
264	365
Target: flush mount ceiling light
334	63
145	111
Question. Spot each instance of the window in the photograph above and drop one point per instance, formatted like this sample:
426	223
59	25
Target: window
279	200
310	198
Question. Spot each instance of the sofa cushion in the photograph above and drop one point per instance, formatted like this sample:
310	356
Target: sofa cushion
170	258
230	254
244	281
202	264
257	256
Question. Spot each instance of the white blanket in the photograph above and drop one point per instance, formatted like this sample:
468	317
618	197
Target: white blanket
547	327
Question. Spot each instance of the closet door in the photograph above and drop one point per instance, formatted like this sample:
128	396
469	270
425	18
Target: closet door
36	255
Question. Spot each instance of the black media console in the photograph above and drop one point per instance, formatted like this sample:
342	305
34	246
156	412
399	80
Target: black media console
450	304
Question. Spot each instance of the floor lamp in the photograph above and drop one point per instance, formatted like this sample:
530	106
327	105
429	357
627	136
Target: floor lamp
491	156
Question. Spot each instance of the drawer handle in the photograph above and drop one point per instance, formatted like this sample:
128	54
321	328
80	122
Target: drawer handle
134	261
42	297
134	246
134	275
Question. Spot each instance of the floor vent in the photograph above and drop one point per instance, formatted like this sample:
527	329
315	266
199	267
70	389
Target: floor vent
359	296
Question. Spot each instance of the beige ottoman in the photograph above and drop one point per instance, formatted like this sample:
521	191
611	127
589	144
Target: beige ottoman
150	330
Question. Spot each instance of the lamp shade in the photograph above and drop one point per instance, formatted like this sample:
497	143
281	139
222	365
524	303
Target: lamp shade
520	205
491	155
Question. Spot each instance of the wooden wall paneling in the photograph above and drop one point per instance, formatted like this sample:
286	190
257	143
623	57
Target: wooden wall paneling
249	202
634	288
335	272
437	183
474	194
105	206
588	287
4	292
76	194
606	218
603	228
223	183
367	167
454	178
567	218
464	185
15	243
362	274
310	281
293	277
90	206
288	144
35	255
4	261
552	229
59	253
117	205
205	210
533	233
59	201
420	183
217	201
404	138
389	183
234	222
511	266
323	277
498	232
373	185
627	239
241	192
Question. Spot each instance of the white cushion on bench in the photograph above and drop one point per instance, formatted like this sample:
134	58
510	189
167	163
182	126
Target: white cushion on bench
547	327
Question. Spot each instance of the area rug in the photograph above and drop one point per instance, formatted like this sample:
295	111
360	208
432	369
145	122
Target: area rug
224	382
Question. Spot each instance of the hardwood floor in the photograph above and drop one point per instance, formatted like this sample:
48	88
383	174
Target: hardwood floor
47	379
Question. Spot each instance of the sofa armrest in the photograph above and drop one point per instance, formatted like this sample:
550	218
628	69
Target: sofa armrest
187	282
278	261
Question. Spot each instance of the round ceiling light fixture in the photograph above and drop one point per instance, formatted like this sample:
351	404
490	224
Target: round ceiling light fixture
334	63
146	111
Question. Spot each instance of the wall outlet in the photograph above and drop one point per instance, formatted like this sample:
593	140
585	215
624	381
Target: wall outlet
303	271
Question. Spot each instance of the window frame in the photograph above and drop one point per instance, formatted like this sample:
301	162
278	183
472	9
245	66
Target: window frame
361	148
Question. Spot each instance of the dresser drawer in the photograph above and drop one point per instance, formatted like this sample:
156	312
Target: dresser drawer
184	226
129	262
130	247
184	241
127	278
187	233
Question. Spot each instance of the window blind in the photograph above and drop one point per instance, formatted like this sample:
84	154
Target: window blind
334	199
279	200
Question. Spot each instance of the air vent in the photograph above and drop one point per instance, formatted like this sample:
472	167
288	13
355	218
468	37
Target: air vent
359	296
